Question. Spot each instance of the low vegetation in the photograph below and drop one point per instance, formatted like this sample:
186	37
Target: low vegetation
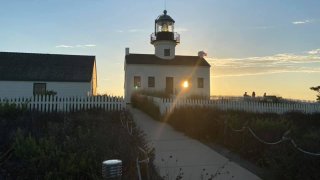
163	94
160	94
217	126
147	106
66	146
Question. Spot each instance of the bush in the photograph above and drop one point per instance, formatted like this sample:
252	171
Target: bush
10	110
160	94
148	106
67	146
215	125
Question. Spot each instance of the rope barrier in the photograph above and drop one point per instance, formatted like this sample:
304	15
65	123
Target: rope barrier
237	130
265	142
6	153
125	125
283	138
6	156
304	151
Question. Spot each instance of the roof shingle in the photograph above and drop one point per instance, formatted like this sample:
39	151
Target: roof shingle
154	60
45	67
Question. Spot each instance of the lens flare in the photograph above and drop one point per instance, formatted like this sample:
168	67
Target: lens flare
185	84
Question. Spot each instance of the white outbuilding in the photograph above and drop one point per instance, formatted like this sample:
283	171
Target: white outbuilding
28	74
164	71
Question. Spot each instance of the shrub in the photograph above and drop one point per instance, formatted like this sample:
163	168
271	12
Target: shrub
68	146
160	94
215	125
148	106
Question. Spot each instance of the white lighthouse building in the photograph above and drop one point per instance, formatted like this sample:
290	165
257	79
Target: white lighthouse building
164	71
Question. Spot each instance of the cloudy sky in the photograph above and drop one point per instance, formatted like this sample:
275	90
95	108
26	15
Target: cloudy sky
263	46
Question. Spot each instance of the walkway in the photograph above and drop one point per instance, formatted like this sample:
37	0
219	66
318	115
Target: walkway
177	154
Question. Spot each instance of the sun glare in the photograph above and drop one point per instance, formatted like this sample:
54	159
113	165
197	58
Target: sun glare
185	84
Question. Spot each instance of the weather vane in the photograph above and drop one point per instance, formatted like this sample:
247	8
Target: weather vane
165	4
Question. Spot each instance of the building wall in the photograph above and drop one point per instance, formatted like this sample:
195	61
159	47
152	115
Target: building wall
161	45
160	72
25	88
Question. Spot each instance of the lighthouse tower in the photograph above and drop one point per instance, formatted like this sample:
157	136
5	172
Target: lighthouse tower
165	72
164	38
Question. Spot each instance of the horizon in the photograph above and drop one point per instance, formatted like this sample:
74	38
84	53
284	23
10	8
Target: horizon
272	47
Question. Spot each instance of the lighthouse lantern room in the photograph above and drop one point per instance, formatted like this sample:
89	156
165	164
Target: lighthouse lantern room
164	38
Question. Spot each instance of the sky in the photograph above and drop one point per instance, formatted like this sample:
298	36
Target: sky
253	45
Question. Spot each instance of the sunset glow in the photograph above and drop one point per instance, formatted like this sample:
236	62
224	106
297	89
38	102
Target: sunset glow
251	46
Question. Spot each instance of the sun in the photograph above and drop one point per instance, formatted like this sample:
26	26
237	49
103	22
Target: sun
185	84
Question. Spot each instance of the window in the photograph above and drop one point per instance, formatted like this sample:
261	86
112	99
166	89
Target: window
137	81
166	52
200	82
151	82
169	85
39	88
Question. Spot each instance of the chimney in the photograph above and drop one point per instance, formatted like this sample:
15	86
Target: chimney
127	51
202	54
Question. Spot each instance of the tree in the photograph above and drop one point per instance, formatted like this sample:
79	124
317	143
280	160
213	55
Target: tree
317	89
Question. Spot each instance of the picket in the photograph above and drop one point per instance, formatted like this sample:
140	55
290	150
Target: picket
166	105
50	104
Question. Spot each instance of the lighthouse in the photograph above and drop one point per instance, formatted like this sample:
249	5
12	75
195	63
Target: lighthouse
165	72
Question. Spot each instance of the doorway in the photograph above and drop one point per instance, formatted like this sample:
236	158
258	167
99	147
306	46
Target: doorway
169	85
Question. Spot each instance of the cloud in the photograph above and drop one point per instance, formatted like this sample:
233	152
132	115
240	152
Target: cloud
314	52
279	63
76	46
301	22
64	46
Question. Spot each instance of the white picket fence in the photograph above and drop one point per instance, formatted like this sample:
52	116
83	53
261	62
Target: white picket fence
167	105
67	104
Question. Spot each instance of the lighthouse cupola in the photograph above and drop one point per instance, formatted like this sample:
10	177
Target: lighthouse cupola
164	38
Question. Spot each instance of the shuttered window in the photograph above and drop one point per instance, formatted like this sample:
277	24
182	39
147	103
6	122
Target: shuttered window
137	81
166	52
151	81
39	88
200	83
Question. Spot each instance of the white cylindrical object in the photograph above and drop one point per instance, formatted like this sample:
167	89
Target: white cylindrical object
112	169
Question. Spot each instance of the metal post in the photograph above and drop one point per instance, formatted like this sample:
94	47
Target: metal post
138	169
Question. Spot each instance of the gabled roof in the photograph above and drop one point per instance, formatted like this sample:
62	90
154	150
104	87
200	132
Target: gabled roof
45	67
154	60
